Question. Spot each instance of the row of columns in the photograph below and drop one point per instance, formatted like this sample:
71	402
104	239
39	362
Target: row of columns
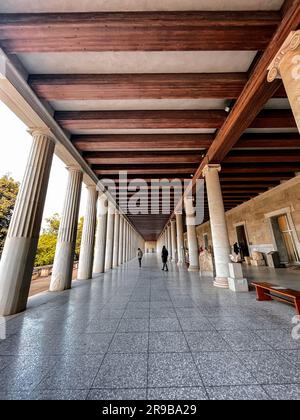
108	240
172	236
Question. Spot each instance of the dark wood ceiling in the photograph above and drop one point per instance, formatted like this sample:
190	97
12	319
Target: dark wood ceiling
143	132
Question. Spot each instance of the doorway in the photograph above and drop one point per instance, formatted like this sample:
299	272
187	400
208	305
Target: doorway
284	239
242	241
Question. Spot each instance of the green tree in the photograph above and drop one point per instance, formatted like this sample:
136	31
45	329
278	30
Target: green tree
47	242
8	193
78	239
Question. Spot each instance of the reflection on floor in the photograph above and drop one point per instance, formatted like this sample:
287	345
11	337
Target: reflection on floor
286	277
137	334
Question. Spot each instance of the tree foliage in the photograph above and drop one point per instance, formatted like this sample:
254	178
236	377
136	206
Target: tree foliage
8	193
47	242
78	239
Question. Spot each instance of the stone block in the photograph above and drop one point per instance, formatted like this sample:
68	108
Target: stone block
248	260
258	263
235	270
257	256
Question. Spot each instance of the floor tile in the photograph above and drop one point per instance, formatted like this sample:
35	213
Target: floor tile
133	325
129	343
122	371
164	324
72	372
222	368
242	393
117	394
167	342
283	392
193	393
206	341
172	370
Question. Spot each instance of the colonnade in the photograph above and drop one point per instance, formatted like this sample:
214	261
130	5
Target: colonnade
108	239
173	238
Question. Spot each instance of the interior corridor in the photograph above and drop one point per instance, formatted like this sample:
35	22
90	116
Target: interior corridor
142	333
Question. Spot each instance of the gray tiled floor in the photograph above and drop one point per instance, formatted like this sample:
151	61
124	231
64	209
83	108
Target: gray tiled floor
144	334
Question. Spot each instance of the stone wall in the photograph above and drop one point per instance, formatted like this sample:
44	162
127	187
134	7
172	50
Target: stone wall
150	245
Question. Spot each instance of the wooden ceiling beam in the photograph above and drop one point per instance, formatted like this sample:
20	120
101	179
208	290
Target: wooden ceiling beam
72	120
138	86
121	142
129	158
137	31
207	119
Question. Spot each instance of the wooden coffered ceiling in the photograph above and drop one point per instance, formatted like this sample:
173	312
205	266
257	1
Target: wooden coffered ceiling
142	87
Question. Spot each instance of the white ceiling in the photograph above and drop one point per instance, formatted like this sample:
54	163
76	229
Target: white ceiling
278	103
142	104
138	62
34	6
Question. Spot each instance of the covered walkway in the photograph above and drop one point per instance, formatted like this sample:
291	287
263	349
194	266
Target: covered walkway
137	334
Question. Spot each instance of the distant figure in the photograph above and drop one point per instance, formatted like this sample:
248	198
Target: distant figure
140	256
236	248
164	257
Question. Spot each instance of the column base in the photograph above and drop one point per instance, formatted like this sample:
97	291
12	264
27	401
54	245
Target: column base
174	260
238	285
221	282
193	268
180	263
206	273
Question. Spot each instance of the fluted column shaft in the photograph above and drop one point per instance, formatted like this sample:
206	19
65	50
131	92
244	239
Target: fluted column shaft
100	241
286	65
180	242
116	239
191	235
19	251
173	240
109	237
121	245
218	225
169	241
86	257
124	241
65	249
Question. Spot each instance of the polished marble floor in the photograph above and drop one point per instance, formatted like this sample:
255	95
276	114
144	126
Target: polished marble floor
146	334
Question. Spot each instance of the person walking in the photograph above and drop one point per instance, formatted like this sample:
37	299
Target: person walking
164	257
140	256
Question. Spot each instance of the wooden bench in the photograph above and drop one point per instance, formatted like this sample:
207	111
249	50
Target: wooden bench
269	291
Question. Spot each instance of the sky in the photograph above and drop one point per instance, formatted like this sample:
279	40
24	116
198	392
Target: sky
15	145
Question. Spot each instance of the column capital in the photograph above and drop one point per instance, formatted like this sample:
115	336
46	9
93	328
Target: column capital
74	168
210	168
292	43
41	131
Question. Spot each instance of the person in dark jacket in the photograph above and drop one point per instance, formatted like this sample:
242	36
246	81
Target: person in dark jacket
164	257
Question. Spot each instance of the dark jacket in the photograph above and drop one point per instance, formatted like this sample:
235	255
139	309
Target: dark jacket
164	255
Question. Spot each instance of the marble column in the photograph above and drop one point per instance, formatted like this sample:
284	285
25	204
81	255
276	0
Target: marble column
20	247
286	65
116	240
173	240
218	225
121	244
180	242
169	241
100	242
191	235
86	256
109	237
124	241
62	271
